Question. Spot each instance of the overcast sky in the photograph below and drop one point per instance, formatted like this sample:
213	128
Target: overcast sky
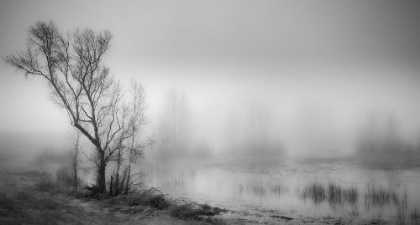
351	57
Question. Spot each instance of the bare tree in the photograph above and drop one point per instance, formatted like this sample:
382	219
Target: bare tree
125	157
173	126
79	83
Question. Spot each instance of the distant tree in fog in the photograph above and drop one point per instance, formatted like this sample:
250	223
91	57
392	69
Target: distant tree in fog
392	134
80	84
177	114
259	125
173	125
381	134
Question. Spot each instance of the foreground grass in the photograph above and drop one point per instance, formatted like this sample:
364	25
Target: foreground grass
33	206
25	208
32	196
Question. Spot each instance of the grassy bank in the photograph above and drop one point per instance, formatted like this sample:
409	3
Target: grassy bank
31	195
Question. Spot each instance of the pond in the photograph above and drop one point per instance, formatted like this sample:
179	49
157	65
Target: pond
309	188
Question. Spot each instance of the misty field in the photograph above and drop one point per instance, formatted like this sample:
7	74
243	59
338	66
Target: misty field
292	191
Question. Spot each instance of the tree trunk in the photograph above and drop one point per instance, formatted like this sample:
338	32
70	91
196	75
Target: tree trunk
101	172
76	179
110	187
127	187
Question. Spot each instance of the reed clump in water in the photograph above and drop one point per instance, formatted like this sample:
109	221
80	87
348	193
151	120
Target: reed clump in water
278	189
378	196
351	195
401	206
257	188
415	216
334	193
314	191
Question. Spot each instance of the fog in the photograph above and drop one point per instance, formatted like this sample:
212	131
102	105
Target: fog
307	114
292	78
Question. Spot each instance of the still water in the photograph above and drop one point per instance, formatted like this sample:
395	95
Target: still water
316	188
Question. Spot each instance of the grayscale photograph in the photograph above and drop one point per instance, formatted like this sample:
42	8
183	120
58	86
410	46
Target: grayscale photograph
210	112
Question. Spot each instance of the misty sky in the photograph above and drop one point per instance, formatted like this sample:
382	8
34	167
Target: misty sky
344	58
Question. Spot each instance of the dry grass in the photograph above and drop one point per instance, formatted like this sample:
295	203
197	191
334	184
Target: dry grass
378	196
26	208
279	189
351	195
334	193
415	216
257	188
314	191
188	210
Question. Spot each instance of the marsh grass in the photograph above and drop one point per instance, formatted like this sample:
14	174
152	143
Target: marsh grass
188	210
379	196
315	191
415	216
260	188
401	207
257	188
279	189
149	200
151	197
333	193
351	195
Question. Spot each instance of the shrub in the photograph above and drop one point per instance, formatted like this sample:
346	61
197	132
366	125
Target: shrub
46	183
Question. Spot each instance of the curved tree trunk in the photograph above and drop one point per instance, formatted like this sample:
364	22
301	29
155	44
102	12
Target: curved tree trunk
101	172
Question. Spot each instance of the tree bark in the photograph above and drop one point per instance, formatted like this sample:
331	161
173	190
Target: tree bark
101	172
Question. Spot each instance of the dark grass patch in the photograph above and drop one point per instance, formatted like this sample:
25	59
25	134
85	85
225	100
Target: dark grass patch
257	188
314	191
335	193
279	189
415	216
187	210
46	183
23	208
379	196
351	195
150	200
9	207
149	197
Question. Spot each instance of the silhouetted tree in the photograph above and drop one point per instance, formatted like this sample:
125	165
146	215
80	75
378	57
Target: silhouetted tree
79	83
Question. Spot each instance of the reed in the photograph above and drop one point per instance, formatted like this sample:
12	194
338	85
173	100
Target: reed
314	191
